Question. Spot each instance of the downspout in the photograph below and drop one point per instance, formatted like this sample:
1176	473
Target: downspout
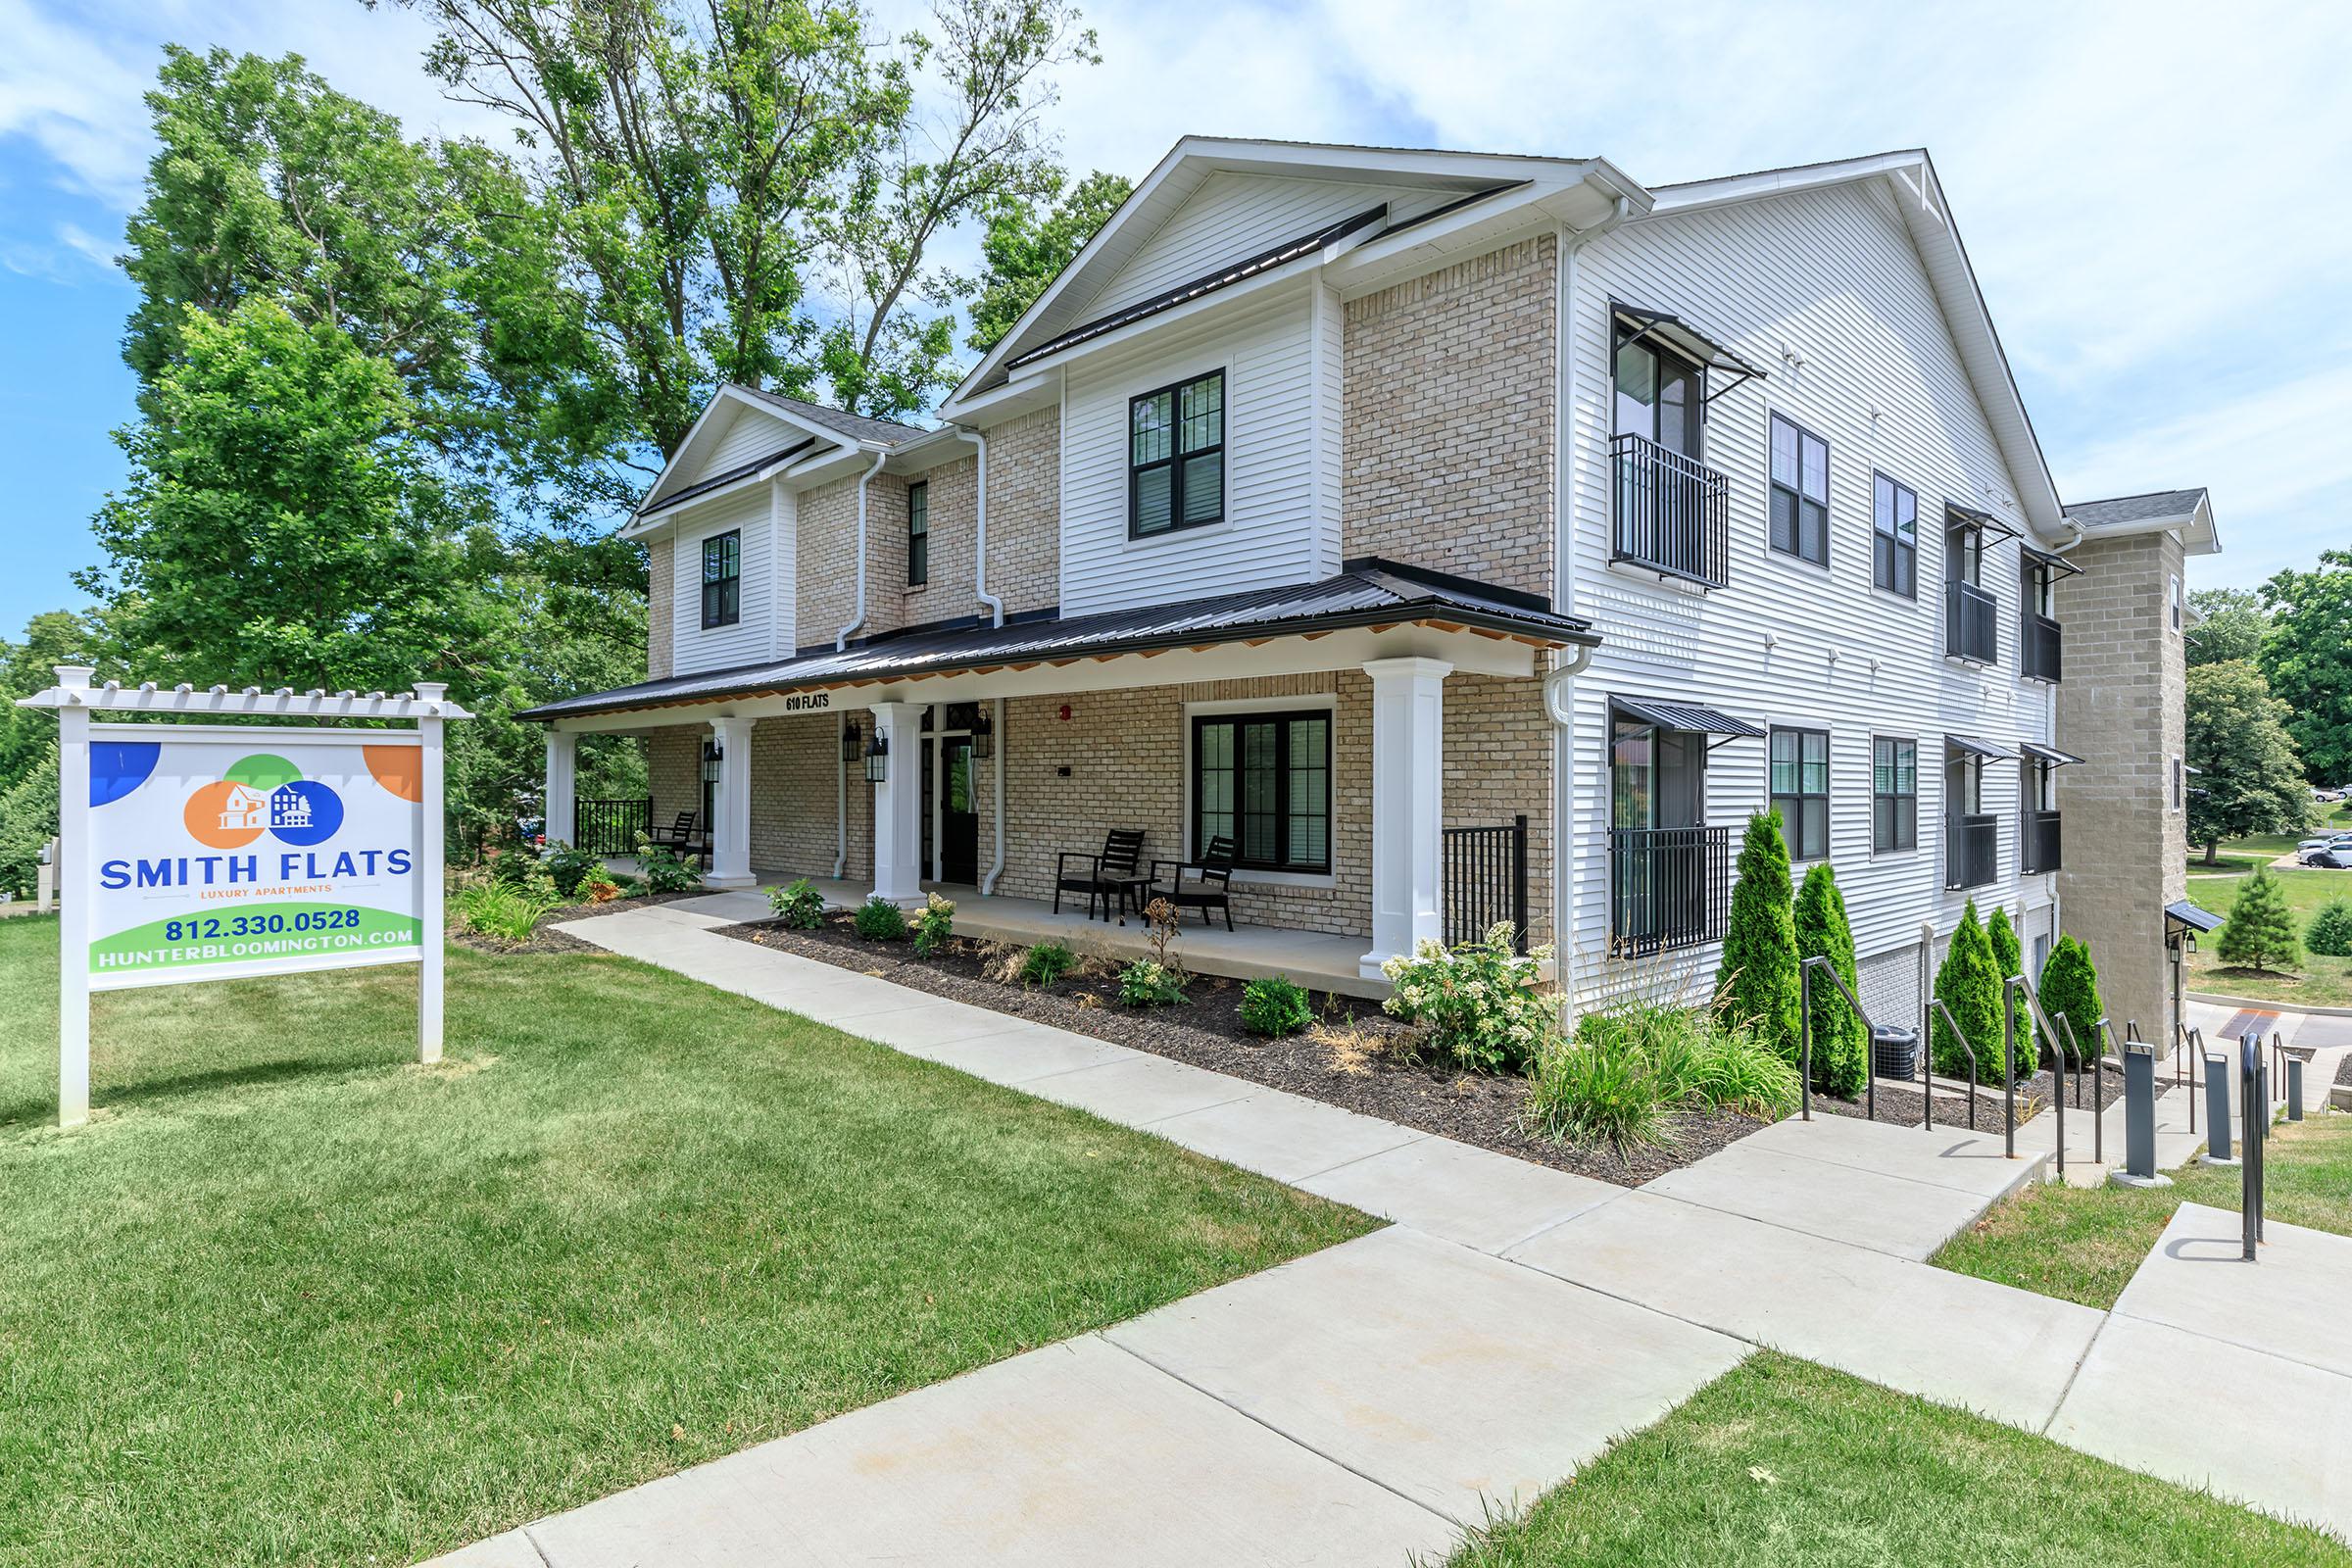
996	796
994	604
1568	664
841	800
996	617
841	639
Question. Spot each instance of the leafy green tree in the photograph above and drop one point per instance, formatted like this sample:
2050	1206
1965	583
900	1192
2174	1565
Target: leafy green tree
1967	986
28	820
2232	625
2008	953
1757	982
1840	1042
2249	779
1023	251
2260	933
51	638
2308	660
2070	985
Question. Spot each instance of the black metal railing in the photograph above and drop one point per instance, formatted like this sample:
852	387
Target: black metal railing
2040	840
1486	881
1968	622
610	828
1669	887
1674	514
2040	655
1972	851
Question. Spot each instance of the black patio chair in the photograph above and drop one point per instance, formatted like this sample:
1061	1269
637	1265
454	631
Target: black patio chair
1107	876
1211	887
682	837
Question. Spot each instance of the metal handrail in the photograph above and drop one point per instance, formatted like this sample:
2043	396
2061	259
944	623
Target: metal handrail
2098	1117
1804	1029
2041	1021
2185	1036
1953	1024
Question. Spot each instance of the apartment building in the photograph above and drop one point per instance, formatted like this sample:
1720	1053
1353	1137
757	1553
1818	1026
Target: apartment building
1453	537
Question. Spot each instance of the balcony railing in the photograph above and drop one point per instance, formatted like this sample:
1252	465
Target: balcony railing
1967	614
1486	881
1674	514
2040	659
1972	851
610	827
2039	845
1669	887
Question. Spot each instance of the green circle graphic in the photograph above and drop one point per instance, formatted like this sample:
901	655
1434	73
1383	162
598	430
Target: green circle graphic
263	771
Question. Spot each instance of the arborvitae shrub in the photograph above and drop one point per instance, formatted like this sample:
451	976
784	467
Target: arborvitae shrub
1840	1042
1757	983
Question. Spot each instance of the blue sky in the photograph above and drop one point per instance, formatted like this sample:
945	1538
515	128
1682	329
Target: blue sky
2152	193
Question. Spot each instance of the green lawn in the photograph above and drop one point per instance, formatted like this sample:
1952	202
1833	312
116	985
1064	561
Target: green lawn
2316	981
1781	1463
2084	1243
292	1298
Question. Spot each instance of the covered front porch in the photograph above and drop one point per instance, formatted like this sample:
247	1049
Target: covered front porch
1369	758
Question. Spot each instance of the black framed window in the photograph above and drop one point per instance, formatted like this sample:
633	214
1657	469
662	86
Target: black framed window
919	533
1895	537
722	579
1964	549
1894	795
1800	492
1800	790
1660	396
1176	456
1264	781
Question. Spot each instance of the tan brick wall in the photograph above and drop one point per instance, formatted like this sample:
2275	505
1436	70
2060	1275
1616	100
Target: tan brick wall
796	763
948	596
2122	708
1024	510
825	543
1450	387
661	608
675	757
1498	752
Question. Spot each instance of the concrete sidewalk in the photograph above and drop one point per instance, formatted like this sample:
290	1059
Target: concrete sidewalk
1364	1404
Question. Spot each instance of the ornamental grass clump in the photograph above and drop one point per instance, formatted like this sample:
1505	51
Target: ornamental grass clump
1476	1002
1045	963
1275	1005
879	920
933	926
505	911
1639	1058
799	905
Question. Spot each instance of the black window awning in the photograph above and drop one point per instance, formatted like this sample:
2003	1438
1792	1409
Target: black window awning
1701	350
1977	747
2047	755
1957	515
2187	917
1684	717
2049	562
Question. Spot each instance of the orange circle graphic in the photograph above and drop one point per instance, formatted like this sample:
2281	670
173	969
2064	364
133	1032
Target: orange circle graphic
398	769
226	816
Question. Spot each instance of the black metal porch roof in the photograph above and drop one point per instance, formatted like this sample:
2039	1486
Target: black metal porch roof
1371	592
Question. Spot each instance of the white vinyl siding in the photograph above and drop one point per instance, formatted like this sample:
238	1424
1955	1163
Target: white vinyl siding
1270	532
751	637
749	434
1825	291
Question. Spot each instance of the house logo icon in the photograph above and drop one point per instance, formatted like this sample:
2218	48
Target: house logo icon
263	794
244	809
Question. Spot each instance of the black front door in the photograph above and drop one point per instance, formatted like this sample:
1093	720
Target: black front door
958	816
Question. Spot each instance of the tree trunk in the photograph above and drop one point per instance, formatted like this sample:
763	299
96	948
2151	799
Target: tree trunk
2213	851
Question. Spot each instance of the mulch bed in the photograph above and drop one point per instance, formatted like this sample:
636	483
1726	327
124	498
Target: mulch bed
546	940
2343	1070
1207	1033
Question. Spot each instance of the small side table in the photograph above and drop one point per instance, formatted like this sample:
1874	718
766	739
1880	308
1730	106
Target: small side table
1130	888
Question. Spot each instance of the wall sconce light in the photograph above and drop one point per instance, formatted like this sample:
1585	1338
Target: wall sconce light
712	755
852	746
984	736
877	759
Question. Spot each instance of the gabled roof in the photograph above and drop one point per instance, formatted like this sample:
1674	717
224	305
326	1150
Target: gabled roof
1369	593
2189	512
857	427
806	425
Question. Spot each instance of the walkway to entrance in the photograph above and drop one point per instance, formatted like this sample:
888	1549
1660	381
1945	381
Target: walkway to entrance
1367	1402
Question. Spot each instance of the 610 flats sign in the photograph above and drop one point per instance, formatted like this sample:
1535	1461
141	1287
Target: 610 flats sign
195	851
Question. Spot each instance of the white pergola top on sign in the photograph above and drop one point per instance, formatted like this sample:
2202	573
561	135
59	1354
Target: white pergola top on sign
75	690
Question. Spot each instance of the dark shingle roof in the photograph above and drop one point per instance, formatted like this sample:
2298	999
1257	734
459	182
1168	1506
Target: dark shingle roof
1369	592
2136	509
857	427
741	470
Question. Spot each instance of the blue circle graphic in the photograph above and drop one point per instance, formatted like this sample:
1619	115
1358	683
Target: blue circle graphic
305	812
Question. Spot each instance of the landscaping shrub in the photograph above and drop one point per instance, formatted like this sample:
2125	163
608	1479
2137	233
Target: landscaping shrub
1840	1039
2008	953
799	905
2331	930
1757	982
1149	983
1741	1070
2071	985
600	889
933	926
502	911
1275	1005
2260	933
879	920
1638	1058
1045	963
569	867
1966	984
522	869
665	869
1600	1090
1476	1002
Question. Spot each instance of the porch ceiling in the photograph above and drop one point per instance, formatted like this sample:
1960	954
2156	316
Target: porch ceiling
1373	610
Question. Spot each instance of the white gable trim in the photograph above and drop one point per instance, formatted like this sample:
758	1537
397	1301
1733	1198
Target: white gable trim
673	472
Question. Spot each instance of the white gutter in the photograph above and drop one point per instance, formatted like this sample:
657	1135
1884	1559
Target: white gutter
841	639
996	796
1566	666
841	800
995	606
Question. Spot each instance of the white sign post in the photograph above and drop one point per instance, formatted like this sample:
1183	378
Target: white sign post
190	852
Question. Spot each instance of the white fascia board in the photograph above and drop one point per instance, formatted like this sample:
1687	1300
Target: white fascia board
687	447
1248	291
2195	526
943	445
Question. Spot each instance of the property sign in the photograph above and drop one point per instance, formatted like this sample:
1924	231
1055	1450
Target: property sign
255	853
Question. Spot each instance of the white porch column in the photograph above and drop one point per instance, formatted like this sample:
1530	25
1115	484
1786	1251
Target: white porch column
899	804
731	807
562	788
1409	809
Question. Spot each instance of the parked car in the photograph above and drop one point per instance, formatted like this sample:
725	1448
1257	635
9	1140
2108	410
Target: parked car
2337	858
2324	843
